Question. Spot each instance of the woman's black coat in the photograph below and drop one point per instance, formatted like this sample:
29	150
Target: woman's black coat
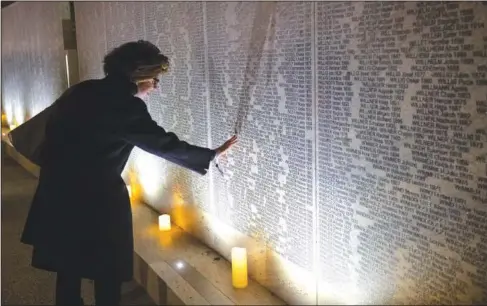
80	219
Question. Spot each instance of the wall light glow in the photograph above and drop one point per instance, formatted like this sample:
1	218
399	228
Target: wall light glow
18	114
67	70
36	109
179	265
148	174
9	113
346	293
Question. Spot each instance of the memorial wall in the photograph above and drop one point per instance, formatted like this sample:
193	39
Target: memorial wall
33	61
360	175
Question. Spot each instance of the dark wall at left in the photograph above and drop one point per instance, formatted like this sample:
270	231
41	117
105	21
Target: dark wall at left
6	3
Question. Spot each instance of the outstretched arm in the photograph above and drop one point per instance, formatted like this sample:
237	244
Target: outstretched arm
141	131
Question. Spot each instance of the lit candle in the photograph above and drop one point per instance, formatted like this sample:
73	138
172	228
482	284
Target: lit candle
239	267
164	222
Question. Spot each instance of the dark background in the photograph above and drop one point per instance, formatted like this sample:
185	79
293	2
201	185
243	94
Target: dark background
6	3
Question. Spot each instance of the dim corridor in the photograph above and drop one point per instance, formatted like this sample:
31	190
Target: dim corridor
22	284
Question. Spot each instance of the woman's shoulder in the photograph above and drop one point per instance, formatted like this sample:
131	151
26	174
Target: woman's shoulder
134	106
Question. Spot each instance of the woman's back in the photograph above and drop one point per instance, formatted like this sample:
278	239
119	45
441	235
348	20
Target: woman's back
82	133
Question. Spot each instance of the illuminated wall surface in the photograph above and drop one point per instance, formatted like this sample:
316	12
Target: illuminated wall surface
360	175
33	63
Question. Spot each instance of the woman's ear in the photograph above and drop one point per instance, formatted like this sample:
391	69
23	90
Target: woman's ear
144	88
156	82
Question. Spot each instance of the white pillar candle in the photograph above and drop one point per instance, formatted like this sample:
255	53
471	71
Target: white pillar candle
164	222
239	267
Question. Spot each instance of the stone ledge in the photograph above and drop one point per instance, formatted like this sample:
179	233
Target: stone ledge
177	257
166	263
24	162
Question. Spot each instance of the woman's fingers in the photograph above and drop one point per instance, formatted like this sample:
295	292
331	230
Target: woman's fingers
230	142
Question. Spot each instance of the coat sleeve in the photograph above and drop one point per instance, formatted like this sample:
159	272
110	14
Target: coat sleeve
140	130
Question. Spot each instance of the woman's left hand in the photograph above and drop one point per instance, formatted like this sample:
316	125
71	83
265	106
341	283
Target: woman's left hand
227	145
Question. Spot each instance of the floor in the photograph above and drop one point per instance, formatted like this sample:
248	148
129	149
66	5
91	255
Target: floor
22	284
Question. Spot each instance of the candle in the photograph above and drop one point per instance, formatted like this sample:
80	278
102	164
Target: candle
164	222
239	267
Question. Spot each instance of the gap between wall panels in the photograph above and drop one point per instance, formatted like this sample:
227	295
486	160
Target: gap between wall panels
316	232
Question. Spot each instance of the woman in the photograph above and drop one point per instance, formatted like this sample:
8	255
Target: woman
80	221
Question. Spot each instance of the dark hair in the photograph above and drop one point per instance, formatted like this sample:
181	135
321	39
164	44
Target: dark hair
135	60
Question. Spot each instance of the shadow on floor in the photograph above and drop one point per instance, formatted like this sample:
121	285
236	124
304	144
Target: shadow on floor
22	284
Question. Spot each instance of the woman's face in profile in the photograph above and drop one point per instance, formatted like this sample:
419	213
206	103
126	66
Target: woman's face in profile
144	88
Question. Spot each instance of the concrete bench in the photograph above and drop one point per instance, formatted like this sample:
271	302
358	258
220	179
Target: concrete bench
174	267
